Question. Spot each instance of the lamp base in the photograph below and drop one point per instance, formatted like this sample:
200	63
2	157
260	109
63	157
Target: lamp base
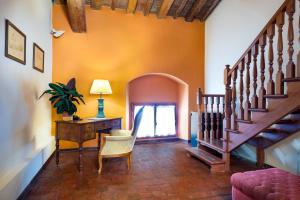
100	108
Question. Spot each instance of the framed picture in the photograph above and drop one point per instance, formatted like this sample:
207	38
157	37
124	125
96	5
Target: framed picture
15	43
38	58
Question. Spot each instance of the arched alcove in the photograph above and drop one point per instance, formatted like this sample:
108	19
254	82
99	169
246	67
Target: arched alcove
159	88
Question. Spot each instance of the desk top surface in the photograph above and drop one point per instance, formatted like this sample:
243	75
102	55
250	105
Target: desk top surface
88	120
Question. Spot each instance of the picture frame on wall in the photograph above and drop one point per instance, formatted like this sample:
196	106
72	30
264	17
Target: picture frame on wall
38	58
15	43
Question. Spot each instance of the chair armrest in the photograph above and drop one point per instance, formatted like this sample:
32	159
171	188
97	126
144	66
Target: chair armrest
118	132
117	138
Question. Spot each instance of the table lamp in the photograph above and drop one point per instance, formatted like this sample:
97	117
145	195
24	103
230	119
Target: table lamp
100	87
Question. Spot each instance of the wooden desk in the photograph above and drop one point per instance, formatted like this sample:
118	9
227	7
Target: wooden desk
83	130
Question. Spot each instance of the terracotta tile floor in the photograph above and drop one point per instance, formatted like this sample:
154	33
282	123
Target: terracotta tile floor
159	171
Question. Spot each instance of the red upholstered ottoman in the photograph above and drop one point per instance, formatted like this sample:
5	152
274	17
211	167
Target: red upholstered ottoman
267	184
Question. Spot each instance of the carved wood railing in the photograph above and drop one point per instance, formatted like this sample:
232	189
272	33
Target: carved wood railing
211	119
245	82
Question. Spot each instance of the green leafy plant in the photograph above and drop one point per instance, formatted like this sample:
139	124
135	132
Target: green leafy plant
63	97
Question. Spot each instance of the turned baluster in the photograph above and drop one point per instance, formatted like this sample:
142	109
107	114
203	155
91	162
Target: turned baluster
234	115
247	103
241	69
200	124
279	75
218	118
254	102
290	68
212	131
262	90
298	56
271	84
223	107
206	131
228	95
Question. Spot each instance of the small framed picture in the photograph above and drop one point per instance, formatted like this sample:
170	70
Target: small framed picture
38	58
15	43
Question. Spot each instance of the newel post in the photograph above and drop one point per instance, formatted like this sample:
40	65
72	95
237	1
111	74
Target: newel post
199	103
228	96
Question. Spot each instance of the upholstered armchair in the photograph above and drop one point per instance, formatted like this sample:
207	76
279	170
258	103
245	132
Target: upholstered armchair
119	143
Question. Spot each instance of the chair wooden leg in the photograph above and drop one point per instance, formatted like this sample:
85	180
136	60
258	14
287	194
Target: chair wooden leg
100	164
129	161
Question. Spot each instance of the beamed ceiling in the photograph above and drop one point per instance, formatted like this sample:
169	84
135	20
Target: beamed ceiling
190	10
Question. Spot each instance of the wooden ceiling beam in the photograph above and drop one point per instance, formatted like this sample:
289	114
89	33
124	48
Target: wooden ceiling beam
113	4
209	10
131	6
148	7
76	14
164	9
96	4
180	8
198	5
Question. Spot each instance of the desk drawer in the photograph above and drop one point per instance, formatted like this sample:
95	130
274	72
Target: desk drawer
102	125
67	131
116	124
88	131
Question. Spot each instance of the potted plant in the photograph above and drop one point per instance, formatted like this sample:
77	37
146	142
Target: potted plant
63	98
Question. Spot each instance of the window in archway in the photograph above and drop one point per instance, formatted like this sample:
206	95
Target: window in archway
159	120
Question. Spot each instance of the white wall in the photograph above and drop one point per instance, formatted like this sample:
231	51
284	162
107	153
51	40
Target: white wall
229	31
25	137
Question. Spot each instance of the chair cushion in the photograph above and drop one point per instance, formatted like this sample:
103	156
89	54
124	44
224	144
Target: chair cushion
268	184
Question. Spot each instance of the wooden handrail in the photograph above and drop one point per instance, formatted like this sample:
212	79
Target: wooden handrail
256	40
213	95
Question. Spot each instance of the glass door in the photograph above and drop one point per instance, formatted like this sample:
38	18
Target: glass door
146	128
159	120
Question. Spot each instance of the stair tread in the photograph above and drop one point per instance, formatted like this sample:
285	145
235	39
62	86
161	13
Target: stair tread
275	130
244	121
273	136
296	79
258	110
287	121
269	137
275	96
260	142
215	144
205	156
232	131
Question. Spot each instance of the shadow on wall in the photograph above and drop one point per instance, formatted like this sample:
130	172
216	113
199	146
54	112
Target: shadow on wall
160	88
22	127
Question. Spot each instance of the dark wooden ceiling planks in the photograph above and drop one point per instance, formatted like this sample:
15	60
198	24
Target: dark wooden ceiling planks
76	15
188	9
164	8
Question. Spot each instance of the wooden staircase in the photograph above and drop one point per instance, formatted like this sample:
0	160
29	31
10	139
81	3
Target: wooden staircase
274	134
255	111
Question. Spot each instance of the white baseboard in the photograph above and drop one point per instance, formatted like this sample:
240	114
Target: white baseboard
15	182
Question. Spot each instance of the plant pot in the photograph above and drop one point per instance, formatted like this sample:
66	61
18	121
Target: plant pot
67	117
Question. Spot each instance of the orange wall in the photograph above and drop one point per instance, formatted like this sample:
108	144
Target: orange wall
152	89
120	47
158	89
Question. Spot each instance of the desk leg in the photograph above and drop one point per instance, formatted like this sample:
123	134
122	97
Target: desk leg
57	151
99	141
80	157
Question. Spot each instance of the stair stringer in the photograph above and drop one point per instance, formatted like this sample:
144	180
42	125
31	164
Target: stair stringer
277	109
